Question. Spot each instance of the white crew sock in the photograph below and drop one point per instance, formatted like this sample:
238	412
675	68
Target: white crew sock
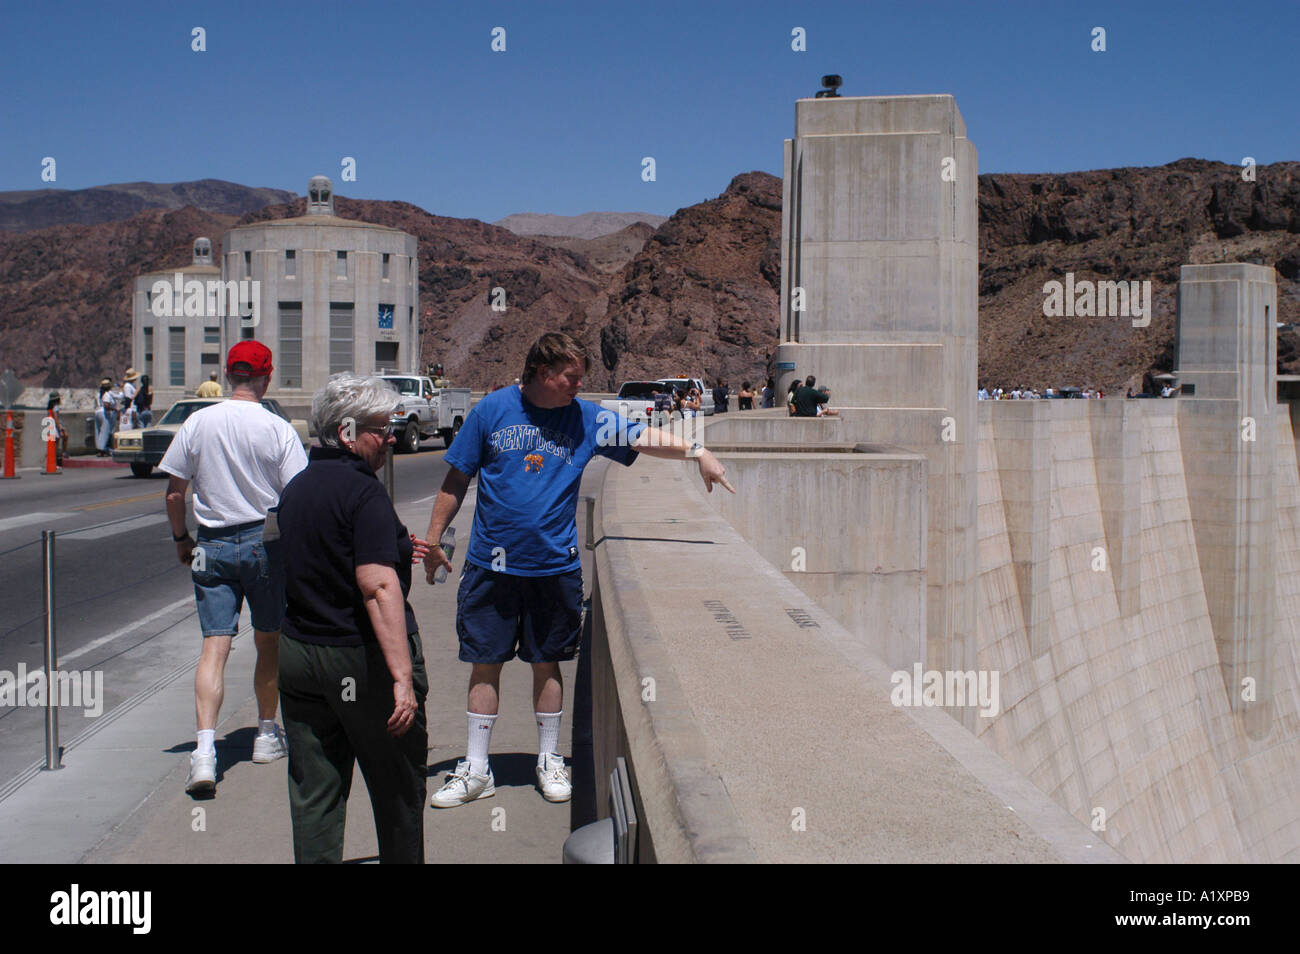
207	739
548	735
480	738
266	727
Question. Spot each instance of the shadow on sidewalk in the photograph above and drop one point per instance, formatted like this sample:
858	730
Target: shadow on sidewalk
509	769
235	747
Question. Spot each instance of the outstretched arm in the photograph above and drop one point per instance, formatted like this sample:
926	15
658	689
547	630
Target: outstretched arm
660	443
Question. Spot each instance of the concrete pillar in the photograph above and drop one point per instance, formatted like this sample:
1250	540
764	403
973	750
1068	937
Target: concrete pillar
880	293
1022	440
1117	452
1227	366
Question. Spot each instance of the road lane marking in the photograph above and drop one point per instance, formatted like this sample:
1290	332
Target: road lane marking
10	523
125	500
112	529
96	643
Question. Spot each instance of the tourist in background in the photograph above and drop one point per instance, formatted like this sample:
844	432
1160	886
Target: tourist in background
769	393
745	399
105	418
126	420
209	388
144	402
52	411
721	394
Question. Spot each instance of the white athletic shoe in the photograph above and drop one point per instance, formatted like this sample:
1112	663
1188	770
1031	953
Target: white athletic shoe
268	748
203	774
462	787
553	780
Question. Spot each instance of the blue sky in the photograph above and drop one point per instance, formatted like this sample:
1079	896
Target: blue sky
561	120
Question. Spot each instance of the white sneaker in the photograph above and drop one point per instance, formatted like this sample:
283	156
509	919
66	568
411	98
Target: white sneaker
268	748
462	787
203	774
553	780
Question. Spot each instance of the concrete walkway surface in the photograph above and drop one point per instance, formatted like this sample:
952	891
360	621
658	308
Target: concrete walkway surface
120	797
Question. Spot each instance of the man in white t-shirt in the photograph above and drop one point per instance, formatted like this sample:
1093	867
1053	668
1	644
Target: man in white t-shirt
239	456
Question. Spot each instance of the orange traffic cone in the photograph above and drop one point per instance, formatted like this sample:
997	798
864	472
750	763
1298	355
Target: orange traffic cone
9	447
51	457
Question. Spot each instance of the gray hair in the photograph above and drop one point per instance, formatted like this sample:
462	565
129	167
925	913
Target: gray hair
352	397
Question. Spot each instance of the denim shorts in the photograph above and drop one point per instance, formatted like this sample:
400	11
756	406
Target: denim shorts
498	614
235	565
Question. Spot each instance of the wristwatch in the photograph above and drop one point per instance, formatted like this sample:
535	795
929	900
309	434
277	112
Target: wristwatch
184	536
695	449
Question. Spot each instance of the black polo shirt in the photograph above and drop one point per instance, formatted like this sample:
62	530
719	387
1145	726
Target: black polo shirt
335	516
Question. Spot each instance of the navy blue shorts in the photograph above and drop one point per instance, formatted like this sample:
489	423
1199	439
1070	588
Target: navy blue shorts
497	615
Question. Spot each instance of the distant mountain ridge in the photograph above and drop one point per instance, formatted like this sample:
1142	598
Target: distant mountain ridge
29	210
589	225
699	295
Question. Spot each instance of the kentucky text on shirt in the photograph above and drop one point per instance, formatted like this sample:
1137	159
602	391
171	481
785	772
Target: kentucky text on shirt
530	437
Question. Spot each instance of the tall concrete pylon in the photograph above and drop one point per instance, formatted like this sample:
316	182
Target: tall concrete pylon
880	274
1227	365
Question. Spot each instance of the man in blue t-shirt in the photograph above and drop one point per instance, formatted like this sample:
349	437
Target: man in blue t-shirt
521	586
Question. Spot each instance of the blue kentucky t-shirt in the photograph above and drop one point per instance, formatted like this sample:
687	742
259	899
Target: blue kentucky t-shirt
529	462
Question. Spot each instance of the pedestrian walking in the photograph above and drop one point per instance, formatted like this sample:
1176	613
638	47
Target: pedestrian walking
769	394
521	587
105	418
52	411
127	419
352	676
240	457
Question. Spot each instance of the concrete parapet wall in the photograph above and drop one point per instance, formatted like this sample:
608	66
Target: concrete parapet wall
711	670
848	529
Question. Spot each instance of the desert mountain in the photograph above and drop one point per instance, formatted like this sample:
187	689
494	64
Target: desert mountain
42	208
589	225
699	294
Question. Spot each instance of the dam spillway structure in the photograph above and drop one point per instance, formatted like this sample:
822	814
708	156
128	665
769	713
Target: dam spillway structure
1130	569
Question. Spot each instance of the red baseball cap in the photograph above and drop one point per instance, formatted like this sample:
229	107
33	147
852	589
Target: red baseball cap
253	357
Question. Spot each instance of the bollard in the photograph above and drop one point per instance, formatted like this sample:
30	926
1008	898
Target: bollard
388	476
53	754
50	432
9	447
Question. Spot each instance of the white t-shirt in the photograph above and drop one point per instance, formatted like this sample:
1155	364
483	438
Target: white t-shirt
239	456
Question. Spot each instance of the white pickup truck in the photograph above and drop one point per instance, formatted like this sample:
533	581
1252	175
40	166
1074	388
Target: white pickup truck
426	410
636	400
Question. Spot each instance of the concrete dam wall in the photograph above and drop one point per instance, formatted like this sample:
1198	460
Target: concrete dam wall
1091	605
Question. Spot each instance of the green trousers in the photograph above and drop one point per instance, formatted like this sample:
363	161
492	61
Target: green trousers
336	702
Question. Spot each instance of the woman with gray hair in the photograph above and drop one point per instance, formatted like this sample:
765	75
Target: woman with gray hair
352	677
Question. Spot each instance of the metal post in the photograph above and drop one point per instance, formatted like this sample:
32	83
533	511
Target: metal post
53	755
388	476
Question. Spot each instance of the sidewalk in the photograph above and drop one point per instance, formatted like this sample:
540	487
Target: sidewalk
120	797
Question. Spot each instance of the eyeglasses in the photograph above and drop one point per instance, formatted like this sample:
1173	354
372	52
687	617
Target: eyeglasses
386	431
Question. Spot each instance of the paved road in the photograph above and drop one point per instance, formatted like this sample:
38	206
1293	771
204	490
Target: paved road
119	589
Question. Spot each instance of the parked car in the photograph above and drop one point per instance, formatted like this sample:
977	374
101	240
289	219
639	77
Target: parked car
426	410
143	448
